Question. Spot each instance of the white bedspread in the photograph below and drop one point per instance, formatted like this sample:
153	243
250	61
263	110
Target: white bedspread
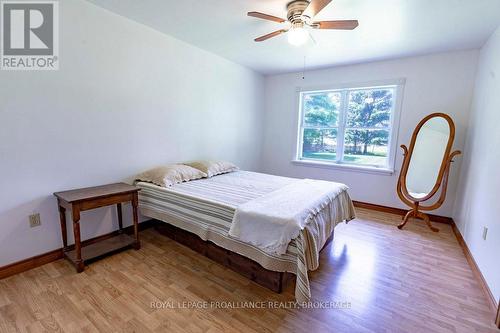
271	221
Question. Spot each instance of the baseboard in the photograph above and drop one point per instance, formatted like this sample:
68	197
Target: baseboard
27	264
42	259
475	269
468	255
45	258
400	211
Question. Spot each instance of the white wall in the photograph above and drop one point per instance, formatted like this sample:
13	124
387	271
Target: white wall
479	192
434	83
126	98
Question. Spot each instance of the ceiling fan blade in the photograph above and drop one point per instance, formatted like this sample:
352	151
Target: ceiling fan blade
266	17
271	35
340	25
315	6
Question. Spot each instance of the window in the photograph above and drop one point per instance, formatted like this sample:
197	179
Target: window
349	127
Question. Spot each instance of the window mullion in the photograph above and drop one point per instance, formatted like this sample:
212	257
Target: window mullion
300	150
368	128
344	102
320	127
300	142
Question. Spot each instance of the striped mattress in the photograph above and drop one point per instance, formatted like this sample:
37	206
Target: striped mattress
206	207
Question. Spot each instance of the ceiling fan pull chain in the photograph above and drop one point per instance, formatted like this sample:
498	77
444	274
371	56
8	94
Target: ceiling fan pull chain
304	69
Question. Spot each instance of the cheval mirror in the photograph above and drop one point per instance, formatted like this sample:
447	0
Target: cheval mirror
426	166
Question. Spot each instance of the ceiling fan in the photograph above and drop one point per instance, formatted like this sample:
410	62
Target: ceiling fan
301	15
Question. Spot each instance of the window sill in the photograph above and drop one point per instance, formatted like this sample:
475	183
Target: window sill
344	167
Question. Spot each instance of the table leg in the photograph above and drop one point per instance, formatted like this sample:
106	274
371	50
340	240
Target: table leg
78	245
135	202
64	232
120	218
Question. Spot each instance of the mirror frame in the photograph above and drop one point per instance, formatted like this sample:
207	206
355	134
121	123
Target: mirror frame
409	152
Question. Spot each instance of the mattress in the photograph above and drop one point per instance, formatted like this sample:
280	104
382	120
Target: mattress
206	207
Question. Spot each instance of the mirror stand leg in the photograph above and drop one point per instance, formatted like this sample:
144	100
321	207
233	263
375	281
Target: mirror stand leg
427	221
406	218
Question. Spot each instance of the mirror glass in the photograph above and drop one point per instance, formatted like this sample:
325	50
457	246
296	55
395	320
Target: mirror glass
428	153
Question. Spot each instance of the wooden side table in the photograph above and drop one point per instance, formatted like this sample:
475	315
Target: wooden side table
90	198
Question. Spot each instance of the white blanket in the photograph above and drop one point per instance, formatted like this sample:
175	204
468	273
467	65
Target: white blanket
271	221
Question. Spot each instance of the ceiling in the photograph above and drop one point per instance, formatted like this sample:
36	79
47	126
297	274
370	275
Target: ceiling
388	29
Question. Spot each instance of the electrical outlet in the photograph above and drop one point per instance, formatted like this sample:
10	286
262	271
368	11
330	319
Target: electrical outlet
35	220
485	232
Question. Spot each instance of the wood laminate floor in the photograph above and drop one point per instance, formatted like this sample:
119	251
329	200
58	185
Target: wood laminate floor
383	280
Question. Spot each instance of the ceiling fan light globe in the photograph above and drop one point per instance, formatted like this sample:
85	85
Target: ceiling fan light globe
298	36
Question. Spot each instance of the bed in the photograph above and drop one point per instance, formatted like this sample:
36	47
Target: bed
206	207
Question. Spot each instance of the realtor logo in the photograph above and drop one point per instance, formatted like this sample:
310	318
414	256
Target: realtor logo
29	35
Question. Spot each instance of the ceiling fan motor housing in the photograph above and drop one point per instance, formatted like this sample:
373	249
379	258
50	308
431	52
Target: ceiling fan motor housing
295	10
300	18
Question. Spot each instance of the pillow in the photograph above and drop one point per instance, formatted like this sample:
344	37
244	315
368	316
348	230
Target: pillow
213	168
169	175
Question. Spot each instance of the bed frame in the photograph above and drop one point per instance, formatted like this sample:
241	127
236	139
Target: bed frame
236	262
276	281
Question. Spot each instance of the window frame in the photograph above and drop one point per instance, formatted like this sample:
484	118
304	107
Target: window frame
393	128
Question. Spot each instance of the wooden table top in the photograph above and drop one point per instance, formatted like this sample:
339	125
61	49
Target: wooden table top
96	192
